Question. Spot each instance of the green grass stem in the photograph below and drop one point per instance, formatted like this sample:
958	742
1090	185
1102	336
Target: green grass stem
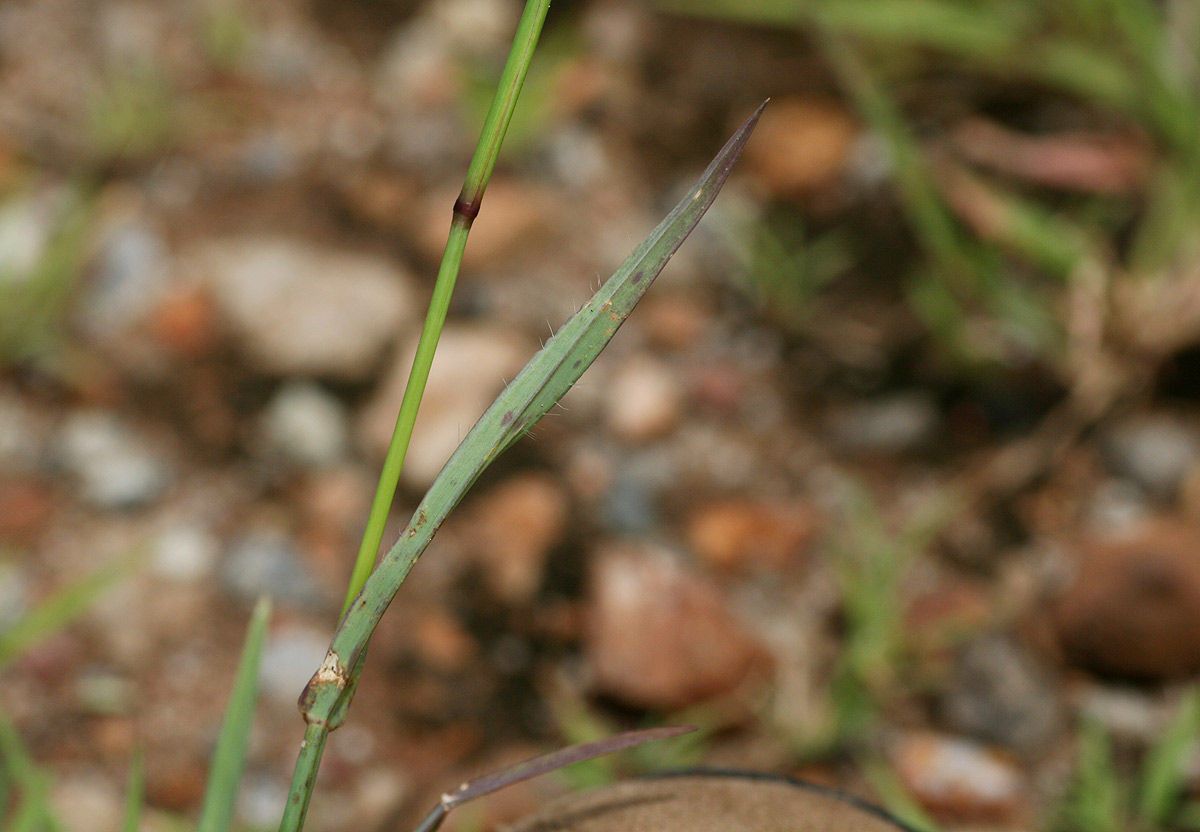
135	794
466	207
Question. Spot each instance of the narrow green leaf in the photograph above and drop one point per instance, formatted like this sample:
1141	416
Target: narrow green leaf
538	387
134	793
34	810
60	609
229	759
896	799
1164	781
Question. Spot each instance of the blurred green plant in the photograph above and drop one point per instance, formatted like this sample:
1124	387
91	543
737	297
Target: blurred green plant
225	31
132	114
135	793
786	264
24	785
989	296
872	560
34	301
25	788
555	51
1153	799
61	608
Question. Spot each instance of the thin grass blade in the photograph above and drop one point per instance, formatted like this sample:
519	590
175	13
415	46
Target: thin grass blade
544	764
546	379
229	759
60	609
34	810
135	793
1165	777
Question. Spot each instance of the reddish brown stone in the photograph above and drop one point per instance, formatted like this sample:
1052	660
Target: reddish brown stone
748	534
800	145
514	527
1133	609
186	323
25	510
660	636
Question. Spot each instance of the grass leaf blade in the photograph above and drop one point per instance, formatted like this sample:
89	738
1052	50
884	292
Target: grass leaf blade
229	759
34	811
1165	779
537	388
135	793
60	609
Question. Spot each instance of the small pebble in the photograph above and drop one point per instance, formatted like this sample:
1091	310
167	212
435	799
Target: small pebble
261	800
306	425
290	657
801	145
513	554
103	693
114	467
958	778
999	694
645	401
1155	451
748	534
132	274
26	224
85	801
893	425
263	563
637	485
1127	713
1117	507
185	553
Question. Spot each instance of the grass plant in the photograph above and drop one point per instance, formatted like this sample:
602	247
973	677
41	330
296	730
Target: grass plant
33	306
872	561
132	114
536	389
1101	799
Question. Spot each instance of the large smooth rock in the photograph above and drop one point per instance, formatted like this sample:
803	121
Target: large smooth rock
300	309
